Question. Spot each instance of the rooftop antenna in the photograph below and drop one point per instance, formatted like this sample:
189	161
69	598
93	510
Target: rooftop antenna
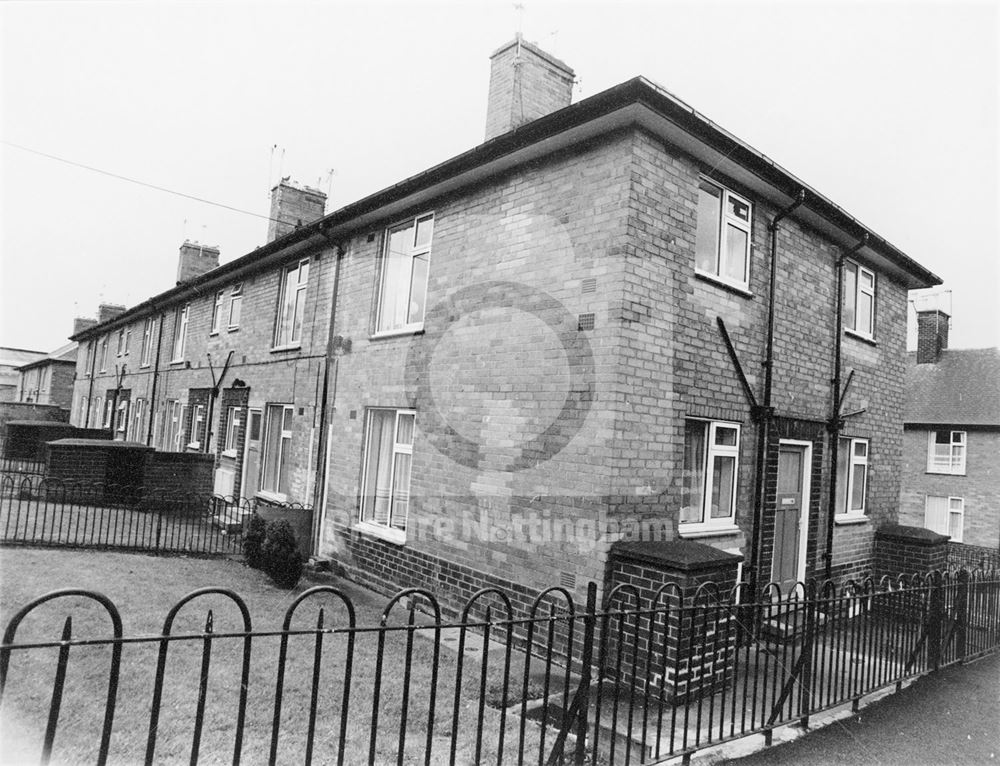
329	182
519	8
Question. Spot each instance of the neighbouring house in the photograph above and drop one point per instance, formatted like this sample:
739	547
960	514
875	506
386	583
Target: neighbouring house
951	441
11	360
229	362
612	323
49	380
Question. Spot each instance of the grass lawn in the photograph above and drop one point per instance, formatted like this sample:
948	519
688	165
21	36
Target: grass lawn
144	588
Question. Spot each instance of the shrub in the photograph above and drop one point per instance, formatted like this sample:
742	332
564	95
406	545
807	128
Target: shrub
253	542
281	555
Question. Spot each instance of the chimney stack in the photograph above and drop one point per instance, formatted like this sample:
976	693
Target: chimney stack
195	260
525	83
932	335
108	311
293	206
82	323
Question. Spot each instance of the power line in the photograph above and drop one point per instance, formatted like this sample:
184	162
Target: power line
136	181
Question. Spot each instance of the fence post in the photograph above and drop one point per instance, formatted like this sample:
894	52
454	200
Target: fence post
805	681
935	620
962	613
586	661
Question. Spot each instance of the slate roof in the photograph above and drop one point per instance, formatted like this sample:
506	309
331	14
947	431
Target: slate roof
961	388
65	353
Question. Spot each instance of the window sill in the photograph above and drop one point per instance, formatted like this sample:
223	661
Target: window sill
846	519
390	535
229	453
859	336
233	328
396	333
290	347
701	531
176	361
213	333
738	288
272	497
945	473
194	445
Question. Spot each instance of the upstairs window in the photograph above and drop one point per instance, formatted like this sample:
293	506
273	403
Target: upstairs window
946	452
147	342
403	287
217	311
385	499
852	476
722	241
235	305
859	299
180	333
711	460
292	308
104	354
121	342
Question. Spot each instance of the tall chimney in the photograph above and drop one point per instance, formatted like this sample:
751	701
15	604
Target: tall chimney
195	260
932	335
525	83
108	311
82	323
293	206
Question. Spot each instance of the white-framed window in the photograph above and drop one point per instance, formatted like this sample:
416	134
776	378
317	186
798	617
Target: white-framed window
859	299
292	308
172	435
109	413
89	360
711	466
197	425
104	353
121	423
276	466
121	342
852	476
147	342
180	332
220	297
945	515
84	406
946	452
233	423
97	411
406	260
385	484
235	305
722	239
138	416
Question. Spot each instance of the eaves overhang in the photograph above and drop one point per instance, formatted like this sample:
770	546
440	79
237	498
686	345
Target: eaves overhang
636	102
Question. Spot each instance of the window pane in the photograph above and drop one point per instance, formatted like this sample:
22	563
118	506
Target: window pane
272	447
738	208
861	449
955	526
865	313
936	514
843	460
858	488
300	310
404	434
395	282
425	227
418	289
942	437
378	467
723	476
401	491
725	437
303	273
707	234
736	254
850	295
693	488
957	457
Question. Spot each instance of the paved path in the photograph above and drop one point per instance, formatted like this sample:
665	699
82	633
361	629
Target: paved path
949	717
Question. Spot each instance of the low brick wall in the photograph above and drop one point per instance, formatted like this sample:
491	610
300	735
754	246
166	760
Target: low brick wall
180	472
26	439
906	550
697	655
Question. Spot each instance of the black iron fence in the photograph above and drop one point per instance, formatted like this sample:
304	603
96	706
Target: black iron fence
962	556
626	682
36	510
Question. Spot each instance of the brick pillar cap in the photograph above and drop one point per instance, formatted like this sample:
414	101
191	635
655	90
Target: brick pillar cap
685	555
103	443
914	535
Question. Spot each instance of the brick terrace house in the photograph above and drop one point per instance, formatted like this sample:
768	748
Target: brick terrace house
231	361
951	441
50	380
515	359
11	360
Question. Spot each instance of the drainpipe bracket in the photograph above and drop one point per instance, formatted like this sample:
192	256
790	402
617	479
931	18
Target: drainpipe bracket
760	413
835	425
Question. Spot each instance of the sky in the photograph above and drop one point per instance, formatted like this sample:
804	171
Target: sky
887	108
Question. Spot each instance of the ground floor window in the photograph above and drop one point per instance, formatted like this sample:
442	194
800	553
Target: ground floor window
711	460
121	424
385	496
233	423
276	471
138	416
173	426
852	476
945	515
